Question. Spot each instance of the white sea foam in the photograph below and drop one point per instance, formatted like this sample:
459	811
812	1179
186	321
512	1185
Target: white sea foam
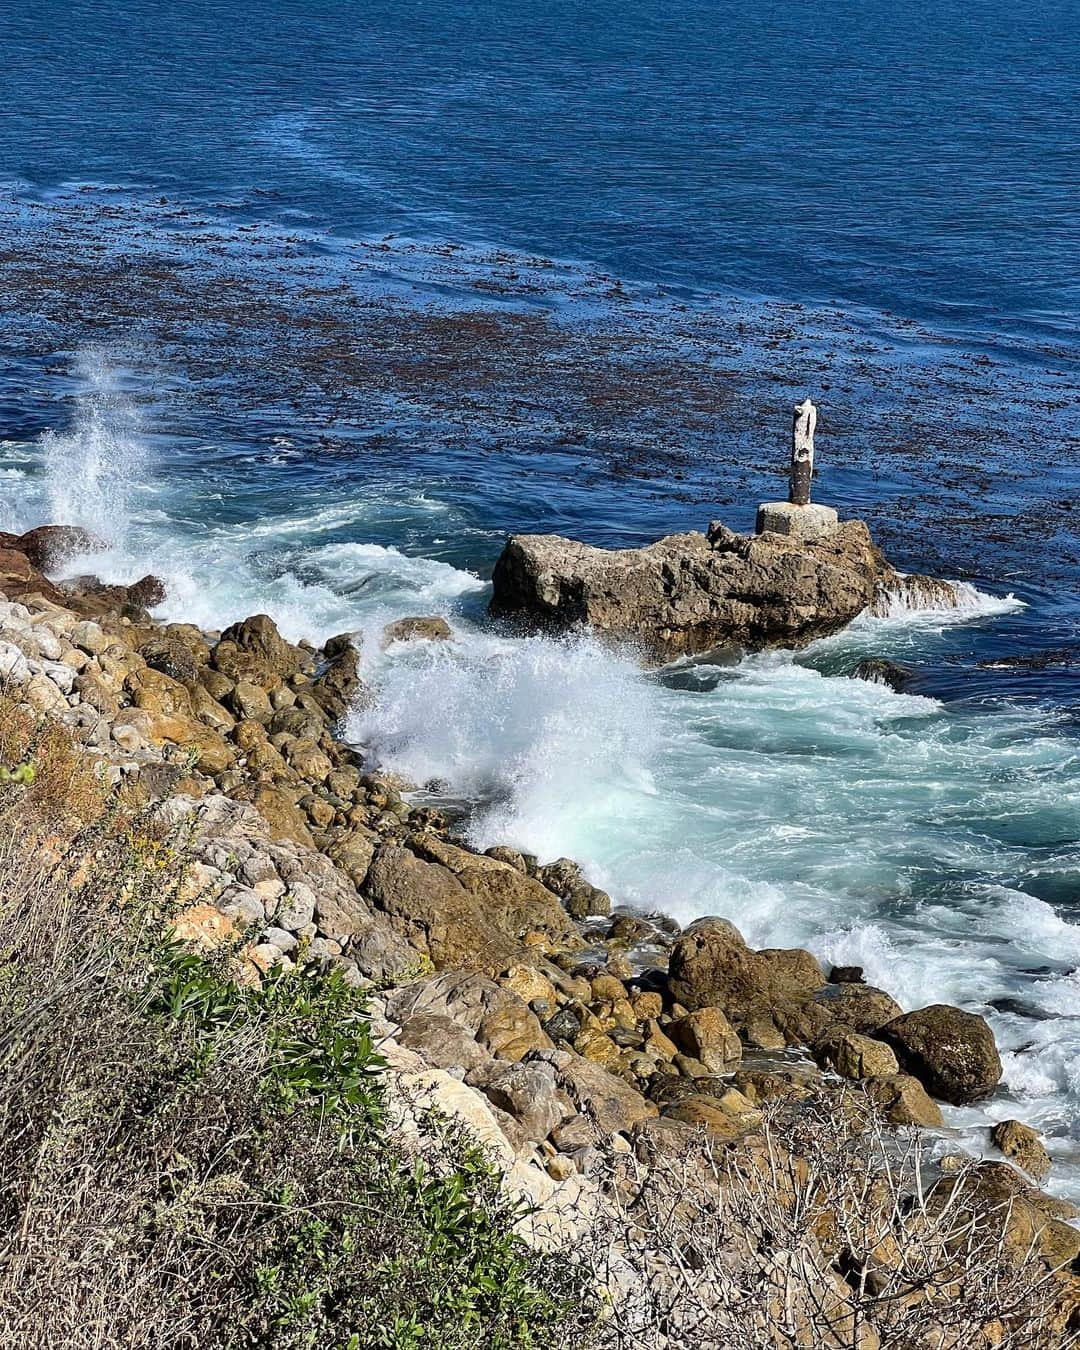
971	603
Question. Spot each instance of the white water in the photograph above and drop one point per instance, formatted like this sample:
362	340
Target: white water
879	829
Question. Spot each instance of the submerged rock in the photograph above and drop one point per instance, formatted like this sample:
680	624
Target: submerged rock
690	592
427	628
876	670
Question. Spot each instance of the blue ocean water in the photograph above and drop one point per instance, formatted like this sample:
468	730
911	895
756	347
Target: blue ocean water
308	306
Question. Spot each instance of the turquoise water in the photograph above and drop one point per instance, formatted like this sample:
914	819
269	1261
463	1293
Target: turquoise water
308	308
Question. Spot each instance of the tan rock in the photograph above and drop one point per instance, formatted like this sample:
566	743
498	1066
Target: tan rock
725	1117
904	1101
1022	1144
854	1056
283	817
529	984
707	1036
204	926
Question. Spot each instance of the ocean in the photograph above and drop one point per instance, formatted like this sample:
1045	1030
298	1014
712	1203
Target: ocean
307	306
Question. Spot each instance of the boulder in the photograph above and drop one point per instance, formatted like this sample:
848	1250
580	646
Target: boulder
528	1092
411	629
691	592
443	1042
517	904
712	966
169	653
495	1017
1022	1144
950	1051
50	546
709	1037
903	1100
854	1056
259	636
435	913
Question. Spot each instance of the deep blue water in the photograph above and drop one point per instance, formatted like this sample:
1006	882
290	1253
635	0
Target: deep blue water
308	305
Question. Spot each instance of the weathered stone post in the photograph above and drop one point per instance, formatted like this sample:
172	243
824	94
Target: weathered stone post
802	452
796	517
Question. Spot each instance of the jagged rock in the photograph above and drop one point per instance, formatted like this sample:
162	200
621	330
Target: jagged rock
1022	1144
105	596
429	629
876	670
691	592
496	1018
900	592
19	578
950	1051
259	635
612	1104
50	546
339	687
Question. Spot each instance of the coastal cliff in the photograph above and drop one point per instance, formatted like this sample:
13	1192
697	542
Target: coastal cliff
613	1068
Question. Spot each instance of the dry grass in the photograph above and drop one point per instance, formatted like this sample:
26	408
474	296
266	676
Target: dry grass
826	1231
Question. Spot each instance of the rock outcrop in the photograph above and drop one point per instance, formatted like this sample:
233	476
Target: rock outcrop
691	592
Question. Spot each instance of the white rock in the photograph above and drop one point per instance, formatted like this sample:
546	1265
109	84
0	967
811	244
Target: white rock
798	522
48	644
296	909
60	674
127	738
279	938
14	666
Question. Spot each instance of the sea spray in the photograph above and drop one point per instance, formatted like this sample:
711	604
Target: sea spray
551	738
93	471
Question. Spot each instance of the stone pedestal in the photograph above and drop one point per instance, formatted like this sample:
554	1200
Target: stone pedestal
808	522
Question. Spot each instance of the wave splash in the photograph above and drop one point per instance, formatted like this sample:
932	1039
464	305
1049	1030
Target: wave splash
93	470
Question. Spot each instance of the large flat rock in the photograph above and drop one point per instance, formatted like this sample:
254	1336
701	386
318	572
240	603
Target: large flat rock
689	592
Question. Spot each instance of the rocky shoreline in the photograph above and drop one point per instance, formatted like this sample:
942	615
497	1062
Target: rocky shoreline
504	990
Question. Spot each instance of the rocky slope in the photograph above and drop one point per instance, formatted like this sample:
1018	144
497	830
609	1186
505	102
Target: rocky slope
504	990
690	592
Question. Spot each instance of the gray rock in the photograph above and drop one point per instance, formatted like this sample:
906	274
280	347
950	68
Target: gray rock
529	1093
